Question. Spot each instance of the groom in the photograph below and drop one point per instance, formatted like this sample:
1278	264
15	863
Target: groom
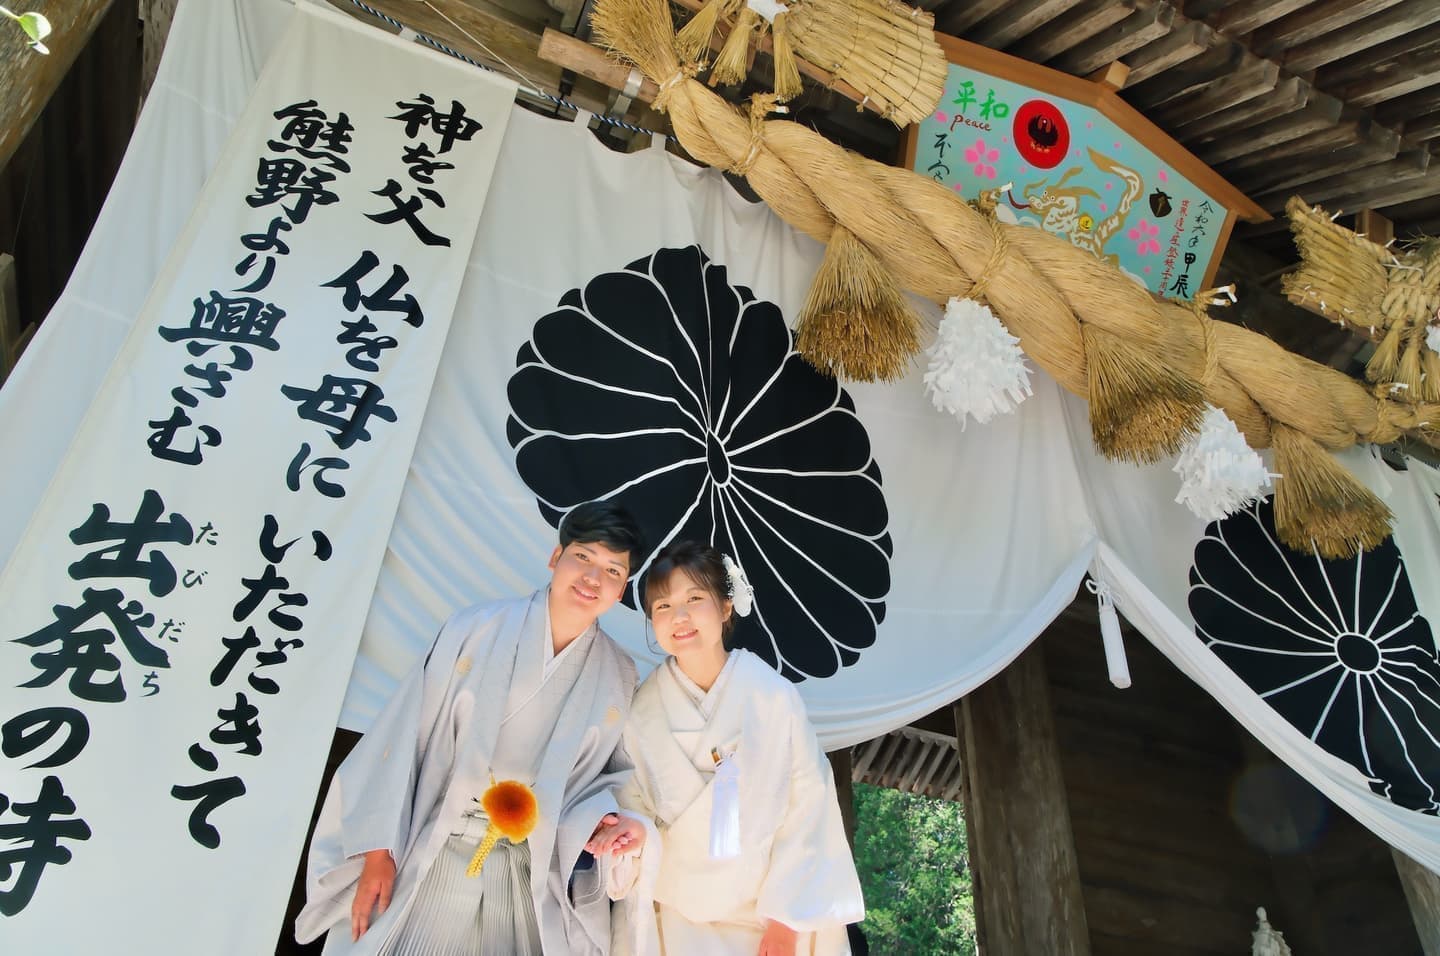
527	689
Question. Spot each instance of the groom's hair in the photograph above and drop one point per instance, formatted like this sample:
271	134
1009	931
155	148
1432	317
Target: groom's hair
606	523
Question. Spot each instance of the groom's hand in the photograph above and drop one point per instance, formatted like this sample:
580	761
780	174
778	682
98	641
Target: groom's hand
377	880
616	834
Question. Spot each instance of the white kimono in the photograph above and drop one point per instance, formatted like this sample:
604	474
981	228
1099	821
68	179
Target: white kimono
794	864
486	700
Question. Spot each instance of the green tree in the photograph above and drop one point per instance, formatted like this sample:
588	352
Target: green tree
915	870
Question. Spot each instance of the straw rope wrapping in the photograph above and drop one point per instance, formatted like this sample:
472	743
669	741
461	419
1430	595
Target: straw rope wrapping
1049	294
1372	290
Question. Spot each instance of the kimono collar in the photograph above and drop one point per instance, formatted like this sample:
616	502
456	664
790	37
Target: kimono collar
550	660
704	701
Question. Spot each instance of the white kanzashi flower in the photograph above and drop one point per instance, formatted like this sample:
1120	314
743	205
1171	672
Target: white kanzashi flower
976	366
742	593
1219	473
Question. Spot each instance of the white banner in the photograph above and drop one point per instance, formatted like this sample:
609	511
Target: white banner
620	332
181	613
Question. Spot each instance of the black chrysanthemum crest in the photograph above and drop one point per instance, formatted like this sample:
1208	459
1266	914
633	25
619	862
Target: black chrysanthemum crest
1337	648
668	390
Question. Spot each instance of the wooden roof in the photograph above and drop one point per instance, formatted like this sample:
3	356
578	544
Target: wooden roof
1337	101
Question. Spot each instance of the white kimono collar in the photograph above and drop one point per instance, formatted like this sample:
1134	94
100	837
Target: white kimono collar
549	659
705	701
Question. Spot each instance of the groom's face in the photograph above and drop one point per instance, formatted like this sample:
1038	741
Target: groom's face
589	575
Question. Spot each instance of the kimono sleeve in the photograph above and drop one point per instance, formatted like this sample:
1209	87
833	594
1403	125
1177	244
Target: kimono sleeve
370	802
811	881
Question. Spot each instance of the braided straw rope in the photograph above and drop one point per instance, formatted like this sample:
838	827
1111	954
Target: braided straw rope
1046	291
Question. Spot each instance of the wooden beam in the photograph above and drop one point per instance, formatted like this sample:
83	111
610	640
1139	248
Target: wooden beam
1328	138
1400	173
1114	43
1242	18
1251	79
156	16
29	78
1375	227
1176	47
1377	144
1423	128
1299	174
1295	133
1379	58
954	19
1381	195
1314	21
1409	107
1076	25
1398	20
11	323
1221	58
1015	20
1408	76
1112	76
1210	9
1289	95
564	50
1022	850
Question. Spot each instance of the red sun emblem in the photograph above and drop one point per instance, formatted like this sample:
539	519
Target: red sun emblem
1041	134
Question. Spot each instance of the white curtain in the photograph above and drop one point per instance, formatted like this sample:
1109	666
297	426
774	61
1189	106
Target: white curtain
982	535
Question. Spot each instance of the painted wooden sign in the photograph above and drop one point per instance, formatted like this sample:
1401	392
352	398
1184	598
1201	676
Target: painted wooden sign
1070	157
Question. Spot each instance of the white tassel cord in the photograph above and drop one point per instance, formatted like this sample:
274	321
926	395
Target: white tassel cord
725	810
1219	473
1115	660
976	366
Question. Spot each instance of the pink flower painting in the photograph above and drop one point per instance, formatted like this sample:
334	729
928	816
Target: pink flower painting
1143	235
982	159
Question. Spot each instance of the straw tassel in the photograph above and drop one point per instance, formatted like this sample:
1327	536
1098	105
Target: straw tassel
693	40
1429	376
1385	363
1141	409
856	323
1318	503
787	71
1410	373
732	65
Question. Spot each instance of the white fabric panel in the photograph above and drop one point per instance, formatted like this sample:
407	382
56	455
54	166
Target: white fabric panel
565	208
991	528
175	667
203	83
1146	552
1415	500
1414	833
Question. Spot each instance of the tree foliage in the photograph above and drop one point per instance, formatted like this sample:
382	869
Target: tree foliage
915	870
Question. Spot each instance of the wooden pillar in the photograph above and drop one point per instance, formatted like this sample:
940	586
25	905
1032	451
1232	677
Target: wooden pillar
1022	852
157	16
843	768
29	78
1422	892
12	338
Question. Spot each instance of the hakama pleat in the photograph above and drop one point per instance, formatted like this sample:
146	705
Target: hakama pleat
490	914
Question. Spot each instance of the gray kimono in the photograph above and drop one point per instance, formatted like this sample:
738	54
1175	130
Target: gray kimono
412	779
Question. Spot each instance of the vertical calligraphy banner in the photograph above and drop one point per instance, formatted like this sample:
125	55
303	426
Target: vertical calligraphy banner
181	615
